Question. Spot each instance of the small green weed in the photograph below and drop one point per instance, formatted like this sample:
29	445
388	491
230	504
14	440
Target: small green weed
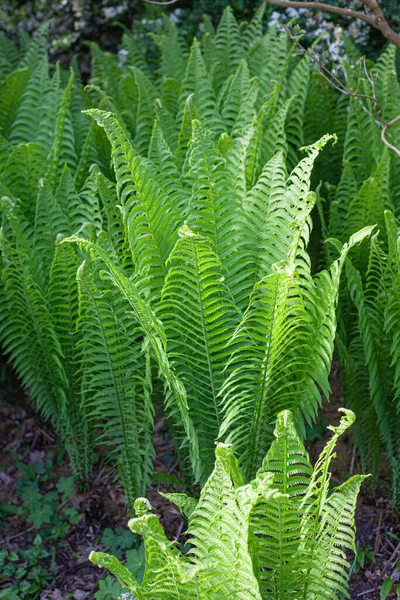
45	505
25	570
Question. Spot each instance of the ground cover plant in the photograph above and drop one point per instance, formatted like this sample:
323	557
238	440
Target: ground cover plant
158	248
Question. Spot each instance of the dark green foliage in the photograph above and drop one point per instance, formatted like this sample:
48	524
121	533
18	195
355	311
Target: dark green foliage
156	226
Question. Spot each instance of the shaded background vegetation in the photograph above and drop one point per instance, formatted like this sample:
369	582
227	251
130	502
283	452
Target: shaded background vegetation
76	21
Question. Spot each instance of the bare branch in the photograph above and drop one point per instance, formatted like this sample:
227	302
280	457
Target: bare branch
380	22
383	134
162	3
376	19
335	82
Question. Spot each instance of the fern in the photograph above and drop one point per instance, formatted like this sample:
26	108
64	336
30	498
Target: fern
376	303
253	540
21	175
116	385
176	174
199	317
11	92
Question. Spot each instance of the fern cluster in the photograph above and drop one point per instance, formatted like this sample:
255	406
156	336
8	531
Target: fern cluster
156	226
282	535
368	192
68	336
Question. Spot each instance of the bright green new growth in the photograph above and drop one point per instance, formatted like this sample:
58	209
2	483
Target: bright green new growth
282	535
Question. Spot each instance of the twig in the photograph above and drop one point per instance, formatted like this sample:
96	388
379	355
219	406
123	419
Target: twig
353	461
17	535
383	134
371	591
376	19
391	559
172	469
162	3
335	82
378	534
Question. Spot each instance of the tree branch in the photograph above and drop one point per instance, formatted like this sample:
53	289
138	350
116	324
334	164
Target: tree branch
162	3
376	19
380	22
338	85
383	134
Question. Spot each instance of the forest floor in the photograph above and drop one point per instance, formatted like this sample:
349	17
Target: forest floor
36	497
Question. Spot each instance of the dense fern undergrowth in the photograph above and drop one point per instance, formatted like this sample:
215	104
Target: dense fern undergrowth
156	228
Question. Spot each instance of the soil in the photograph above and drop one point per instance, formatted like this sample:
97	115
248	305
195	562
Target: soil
25	436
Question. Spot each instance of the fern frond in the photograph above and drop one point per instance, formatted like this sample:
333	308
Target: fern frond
37	48
228	47
235	97
147	95
153	329
150	222
297	86
50	104
30	342
253	31
26	122
199	318
197	82
252	541
9	55
63	147
25	166
275	522
49	222
392	309
264	365
11	92
361	144
382	404
116	385
215	210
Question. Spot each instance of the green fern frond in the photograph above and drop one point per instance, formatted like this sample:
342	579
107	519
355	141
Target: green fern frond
116	389
150	222
384	408
26	122
228	47
274	523
173	53
392	309
361	144
147	95
199	318
49	222
264	365
9	56
25	166
50	105
197	82
154	332
63	147
346	191
30	342
253	31
104	69
215	209
297	86
269	61
37	48
11	93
